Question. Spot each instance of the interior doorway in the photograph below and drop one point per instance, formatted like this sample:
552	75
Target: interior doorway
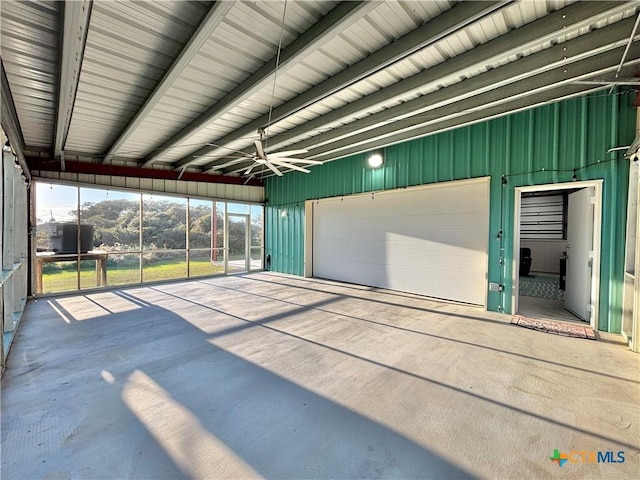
557	248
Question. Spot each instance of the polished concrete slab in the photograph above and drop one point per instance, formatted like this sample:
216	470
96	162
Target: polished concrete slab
266	375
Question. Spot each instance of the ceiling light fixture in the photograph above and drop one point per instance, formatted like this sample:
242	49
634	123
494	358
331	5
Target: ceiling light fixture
375	160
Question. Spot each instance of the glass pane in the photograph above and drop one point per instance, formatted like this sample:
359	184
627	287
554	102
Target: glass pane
256	225
217	258
164	265
200	224
164	223
59	277
206	262
218	225
93	270
237	208
123	269
114	217
256	258
56	217
237	243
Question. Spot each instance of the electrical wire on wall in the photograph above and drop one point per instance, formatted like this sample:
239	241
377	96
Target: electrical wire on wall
503	185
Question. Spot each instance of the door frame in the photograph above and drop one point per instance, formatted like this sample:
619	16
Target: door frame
247	242
596	241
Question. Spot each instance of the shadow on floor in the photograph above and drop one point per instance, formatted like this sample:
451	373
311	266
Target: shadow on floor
212	413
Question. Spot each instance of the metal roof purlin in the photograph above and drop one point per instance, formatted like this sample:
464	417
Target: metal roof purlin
514	106
448	22
554	80
11	122
516	40
74	38
598	41
210	22
518	105
336	20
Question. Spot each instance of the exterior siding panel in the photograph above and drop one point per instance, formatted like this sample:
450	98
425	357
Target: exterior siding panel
534	147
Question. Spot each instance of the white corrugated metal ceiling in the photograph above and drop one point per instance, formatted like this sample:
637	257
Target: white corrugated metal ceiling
179	84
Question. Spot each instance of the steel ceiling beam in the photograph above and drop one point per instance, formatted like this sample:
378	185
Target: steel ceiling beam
76	16
39	164
457	17
574	16
567	53
455	114
203	32
514	106
11	122
326	28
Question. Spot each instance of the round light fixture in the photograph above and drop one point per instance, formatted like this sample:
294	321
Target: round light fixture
375	160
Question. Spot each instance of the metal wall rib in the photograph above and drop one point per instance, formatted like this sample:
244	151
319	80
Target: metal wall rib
538	146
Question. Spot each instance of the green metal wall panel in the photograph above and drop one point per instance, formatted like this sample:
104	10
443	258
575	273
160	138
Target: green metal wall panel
534	147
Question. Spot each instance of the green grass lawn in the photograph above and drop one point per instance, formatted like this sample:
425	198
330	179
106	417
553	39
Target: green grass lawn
65	280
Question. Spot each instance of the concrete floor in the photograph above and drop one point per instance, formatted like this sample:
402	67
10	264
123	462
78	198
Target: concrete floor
265	375
546	309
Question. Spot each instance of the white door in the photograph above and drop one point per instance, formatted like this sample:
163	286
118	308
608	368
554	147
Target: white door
577	295
427	240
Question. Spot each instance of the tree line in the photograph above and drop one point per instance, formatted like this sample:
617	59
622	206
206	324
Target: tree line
116	226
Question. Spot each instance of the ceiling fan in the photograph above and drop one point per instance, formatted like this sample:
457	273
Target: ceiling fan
278	159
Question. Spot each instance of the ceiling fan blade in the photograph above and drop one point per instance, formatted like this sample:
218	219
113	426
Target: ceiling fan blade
249	178
290	165
259	148
248	170
272	168
228	164
286	153
296	160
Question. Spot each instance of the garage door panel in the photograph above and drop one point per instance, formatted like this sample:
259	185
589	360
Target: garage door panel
410	227
432	241
467	259
356	271
440	285
436	226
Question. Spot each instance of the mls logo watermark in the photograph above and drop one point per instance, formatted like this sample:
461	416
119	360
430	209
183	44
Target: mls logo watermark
580	456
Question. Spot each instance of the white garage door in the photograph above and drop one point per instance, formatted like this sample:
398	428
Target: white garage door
428	240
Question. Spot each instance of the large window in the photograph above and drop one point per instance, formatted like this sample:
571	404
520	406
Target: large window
91	237
164	237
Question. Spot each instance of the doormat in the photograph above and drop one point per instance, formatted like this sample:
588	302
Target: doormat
557	328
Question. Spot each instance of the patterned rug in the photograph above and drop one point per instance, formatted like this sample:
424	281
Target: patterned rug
557	328
541	287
